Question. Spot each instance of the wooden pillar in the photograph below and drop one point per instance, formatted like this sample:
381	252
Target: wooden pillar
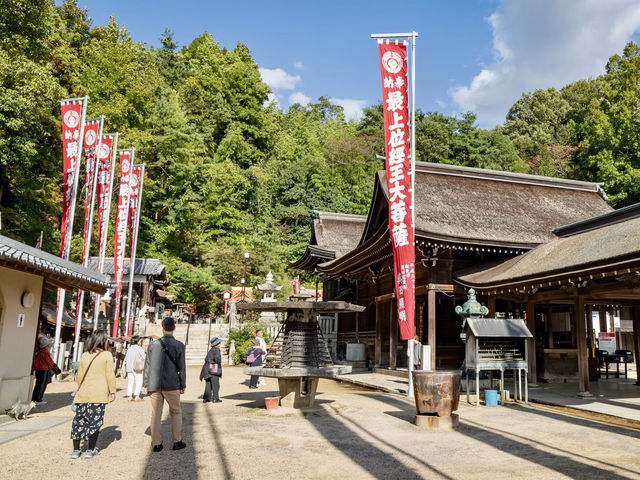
378	345
549	329
590	342
581	334
635	317
420	318
531	342
393	336
491	305
431	325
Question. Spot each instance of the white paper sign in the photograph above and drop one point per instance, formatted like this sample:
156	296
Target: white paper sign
607	341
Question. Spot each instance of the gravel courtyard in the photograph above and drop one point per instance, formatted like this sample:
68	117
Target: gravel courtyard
352	433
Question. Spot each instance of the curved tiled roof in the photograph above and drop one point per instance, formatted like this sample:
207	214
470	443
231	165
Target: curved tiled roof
143	266
58	273
614	245
333	236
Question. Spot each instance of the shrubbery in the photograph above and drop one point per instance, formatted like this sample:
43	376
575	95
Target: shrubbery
244	337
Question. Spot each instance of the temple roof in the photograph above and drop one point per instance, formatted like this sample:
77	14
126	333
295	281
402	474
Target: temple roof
487	209
333	235
143	266
57	272
610	241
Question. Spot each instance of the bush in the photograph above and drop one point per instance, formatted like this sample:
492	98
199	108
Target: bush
244	337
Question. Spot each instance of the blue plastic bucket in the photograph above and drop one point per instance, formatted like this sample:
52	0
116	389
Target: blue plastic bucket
491	398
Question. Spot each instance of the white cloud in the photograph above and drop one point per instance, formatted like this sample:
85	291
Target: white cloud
440	103
278	79
544	44
299	97
352	107
272	98
298	65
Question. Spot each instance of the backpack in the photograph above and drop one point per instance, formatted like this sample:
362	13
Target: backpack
251	357
138	362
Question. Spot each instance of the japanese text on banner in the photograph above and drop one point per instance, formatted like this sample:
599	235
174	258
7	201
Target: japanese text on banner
393	70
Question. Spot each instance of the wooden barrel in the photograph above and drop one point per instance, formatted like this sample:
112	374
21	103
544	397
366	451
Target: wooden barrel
436	391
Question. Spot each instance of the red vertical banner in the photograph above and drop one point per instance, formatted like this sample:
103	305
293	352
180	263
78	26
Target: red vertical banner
103	190
134	186
91	129
71	122
393	72
120	240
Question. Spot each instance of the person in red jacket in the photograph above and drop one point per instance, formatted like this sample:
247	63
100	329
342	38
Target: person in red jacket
42	364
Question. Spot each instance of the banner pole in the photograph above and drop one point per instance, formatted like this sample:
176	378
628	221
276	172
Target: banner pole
69	232
87	239
105	233
134	246
410	344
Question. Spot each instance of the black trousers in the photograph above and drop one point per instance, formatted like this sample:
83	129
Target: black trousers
41	384
254	381
212	388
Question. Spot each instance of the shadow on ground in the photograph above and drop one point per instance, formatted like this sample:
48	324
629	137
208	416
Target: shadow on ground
169	463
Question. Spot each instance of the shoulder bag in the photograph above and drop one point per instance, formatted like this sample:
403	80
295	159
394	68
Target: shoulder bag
73	403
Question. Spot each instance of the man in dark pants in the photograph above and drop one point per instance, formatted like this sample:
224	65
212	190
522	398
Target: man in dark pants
211	372
165	380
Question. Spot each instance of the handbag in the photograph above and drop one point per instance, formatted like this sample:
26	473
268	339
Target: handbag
214	369
73	402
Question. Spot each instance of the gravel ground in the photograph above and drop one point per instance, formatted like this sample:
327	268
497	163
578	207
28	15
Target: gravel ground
351	433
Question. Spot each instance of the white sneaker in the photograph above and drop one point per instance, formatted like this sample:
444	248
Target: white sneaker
43	402
91	453
76	454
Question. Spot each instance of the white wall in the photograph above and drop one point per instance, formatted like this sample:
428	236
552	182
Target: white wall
17	343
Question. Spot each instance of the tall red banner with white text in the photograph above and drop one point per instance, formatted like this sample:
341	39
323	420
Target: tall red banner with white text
393	72
71	122
120	240
134	185
103	192
91	133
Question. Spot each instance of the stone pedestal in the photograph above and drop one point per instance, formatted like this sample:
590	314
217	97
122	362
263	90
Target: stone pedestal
297	392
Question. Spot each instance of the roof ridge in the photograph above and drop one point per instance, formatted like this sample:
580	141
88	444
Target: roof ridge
511	177
610	218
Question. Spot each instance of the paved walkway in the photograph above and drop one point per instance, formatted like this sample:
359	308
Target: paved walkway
611	397
351	433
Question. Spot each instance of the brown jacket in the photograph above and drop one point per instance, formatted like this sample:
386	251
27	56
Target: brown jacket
100	379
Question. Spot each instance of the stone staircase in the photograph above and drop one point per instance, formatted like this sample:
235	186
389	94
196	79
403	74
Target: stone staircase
197	345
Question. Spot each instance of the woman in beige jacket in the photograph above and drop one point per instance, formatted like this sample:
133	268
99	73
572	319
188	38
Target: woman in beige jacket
96	387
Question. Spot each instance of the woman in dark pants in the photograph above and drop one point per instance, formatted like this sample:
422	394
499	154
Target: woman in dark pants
211	372
257	361
42	364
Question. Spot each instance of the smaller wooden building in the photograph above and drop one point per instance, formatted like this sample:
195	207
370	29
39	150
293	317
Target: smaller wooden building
24	274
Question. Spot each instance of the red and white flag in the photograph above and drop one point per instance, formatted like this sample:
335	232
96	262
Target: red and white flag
92	130
134	186
120	240
72	112
393	72
103	192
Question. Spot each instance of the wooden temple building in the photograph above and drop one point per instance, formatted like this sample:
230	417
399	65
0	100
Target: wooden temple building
533	247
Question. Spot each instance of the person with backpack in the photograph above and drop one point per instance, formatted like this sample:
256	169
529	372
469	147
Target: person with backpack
164	379
254	358
211	372
134	366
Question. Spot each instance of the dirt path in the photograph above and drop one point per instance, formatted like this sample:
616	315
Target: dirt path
352	433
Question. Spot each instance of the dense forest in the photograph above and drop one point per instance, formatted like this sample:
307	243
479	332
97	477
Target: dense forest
228	172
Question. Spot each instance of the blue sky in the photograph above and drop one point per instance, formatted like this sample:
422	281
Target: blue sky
475	55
